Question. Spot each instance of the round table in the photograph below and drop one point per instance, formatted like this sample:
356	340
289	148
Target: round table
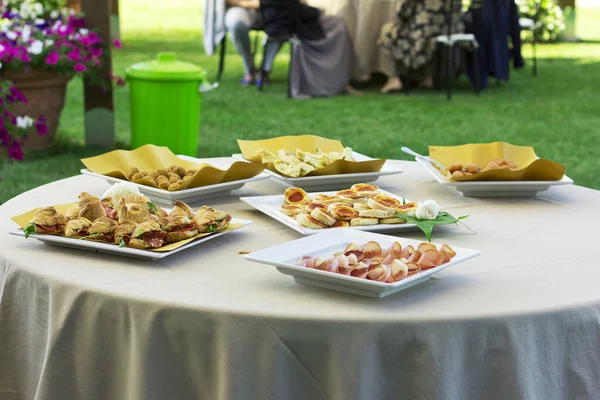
364	19
519	322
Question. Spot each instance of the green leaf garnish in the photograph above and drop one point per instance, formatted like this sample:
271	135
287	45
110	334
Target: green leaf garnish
212	228
152	207
426	225
122	243
92	236
30	230
403	200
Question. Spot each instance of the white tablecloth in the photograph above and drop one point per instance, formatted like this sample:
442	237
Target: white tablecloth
519	322
364	19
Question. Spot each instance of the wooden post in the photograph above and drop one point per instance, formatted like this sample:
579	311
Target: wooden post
99	110
114	19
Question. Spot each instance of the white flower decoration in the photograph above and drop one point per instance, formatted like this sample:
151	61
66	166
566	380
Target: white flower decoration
429	209
54	14
11	35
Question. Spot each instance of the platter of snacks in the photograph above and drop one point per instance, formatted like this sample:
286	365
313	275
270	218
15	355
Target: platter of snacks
166	178
125	223
492	169
361	263
312	162
363	206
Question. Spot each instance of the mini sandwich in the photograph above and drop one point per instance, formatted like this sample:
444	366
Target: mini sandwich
376	213
47	220
180	209
308	221
180	228
137	213
350	196
109	207
295	196
408	208
322	216
210	220
135	199
325	199
78	227
360	221
90	207
384	205
123	232
103	229
291	210
311	206
148	235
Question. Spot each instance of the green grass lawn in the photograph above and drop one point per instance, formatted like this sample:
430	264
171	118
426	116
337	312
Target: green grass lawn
558	112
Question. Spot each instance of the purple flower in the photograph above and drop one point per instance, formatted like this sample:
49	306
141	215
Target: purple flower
4	136
74	54
25	57
41	128
120	81
96	51
93	38
64	30
117	43
52	58
76	22
11	117
79	67
14	151
18	95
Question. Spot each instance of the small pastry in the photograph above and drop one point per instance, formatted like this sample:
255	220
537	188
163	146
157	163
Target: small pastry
180	228
392	220
375	213
291	210
72	213
78	227
90	207
180	209
360	221
148	235
295	196
123	232
308	221
103	228
365	189
210	220
322	216
133	212
342	211
48	220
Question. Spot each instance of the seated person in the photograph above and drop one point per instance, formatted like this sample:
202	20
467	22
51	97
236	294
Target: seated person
241	16
324	59
408	43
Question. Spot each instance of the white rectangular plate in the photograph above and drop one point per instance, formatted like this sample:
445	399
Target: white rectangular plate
326	243
331	182
494	188
164	197
123	251
271	205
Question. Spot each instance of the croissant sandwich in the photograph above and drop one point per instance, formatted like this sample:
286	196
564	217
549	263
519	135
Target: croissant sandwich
103	229
78	227
135	199
90	207
148	235
210	220
72	213
133	212
180	209
124	231
180	228
109	207
48	220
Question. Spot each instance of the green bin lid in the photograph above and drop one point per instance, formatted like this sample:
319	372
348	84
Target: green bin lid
166	68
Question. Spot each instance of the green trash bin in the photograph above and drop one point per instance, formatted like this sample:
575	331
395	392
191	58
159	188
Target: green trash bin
165	103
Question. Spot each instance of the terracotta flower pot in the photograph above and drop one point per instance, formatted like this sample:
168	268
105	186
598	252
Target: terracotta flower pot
46	94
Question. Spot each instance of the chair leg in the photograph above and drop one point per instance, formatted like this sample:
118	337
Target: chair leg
449	72
289	83
475	55
534	71
222	58
262	67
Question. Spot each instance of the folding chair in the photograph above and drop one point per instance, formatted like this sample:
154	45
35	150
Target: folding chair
448	41
223	49
532	25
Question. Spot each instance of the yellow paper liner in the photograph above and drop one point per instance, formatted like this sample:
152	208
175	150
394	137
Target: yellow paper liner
24	219
151	158
531	167
311	144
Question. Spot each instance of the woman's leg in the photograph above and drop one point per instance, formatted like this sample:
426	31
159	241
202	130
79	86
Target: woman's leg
393	83
238	22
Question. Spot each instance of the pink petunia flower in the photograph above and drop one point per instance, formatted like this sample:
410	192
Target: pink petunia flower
93	38
79	67
117	43
96	51
18	95
41	128
52	58
4	136
14	151
74	55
